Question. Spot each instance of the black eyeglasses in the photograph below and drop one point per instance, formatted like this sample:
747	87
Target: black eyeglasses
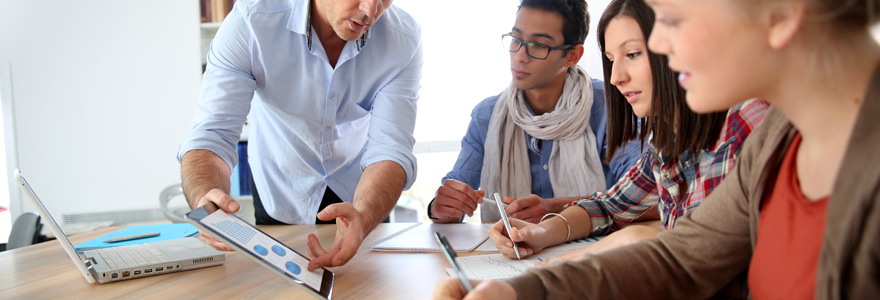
534	50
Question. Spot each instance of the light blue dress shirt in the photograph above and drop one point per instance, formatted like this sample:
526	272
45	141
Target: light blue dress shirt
312	126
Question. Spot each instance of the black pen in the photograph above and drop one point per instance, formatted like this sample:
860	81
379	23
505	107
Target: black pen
450	256
132	237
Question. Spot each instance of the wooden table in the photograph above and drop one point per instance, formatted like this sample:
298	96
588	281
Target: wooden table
44	271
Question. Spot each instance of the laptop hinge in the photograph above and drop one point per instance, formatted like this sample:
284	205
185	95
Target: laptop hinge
90	262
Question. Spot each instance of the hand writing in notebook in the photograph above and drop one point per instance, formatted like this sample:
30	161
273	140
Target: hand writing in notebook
528	236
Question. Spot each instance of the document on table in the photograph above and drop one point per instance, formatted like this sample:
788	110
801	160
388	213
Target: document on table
496	266
463	237
487	246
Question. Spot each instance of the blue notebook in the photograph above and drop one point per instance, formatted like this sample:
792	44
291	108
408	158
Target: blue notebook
166	232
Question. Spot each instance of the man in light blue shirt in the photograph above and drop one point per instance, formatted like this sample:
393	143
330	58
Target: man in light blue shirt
332	91
512	145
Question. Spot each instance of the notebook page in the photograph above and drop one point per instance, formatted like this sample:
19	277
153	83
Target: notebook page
463	237
496	266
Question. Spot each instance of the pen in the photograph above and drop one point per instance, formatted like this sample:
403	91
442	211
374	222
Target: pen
132	237
493	201
450	256
506	223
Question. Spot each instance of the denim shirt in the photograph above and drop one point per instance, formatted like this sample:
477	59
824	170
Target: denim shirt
469	165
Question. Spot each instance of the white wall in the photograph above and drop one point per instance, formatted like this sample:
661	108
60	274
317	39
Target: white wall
464	60
104	91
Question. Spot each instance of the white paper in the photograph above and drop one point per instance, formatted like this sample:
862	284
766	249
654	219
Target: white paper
496	266
487	246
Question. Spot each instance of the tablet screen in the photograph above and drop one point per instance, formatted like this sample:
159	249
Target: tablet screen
230	228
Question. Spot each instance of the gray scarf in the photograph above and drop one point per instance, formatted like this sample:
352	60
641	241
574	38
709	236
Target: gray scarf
575	168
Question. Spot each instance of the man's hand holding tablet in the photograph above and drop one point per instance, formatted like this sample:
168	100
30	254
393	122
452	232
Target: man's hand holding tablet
237	234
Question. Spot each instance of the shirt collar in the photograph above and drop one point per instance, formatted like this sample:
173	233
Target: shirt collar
300	22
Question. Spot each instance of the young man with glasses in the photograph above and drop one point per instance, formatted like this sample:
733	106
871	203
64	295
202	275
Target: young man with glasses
541	141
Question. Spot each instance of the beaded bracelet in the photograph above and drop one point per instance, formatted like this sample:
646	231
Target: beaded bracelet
563	219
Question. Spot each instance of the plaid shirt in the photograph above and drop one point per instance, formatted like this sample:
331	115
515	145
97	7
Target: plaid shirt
675	185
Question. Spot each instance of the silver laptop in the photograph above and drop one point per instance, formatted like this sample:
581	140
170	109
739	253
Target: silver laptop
132	261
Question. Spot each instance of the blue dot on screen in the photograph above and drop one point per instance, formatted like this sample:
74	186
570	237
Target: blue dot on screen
278	250
293	268
261	250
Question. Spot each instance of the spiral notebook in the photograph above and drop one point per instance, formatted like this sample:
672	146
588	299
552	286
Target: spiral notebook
496	266
463	237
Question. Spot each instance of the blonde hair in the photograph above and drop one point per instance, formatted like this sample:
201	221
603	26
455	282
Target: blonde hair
838	24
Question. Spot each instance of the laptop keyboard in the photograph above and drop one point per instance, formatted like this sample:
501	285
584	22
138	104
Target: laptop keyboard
132	256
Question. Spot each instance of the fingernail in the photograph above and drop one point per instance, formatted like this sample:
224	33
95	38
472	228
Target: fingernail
508	244
233	206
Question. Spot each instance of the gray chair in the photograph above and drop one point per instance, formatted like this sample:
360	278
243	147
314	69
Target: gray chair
175	212
25	231
165	196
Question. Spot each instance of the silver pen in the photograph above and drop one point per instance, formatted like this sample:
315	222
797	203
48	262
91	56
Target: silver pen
493	201
506	222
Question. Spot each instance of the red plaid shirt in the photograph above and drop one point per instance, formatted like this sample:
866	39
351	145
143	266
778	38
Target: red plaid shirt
676	185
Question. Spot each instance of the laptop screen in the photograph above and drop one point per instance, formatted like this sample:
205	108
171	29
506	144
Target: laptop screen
53	226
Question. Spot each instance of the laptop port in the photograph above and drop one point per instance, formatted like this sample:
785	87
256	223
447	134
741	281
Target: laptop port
114	276
137	273
148	271
159	269
169	267
126	274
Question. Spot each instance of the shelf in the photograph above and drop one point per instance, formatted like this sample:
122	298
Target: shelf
208	30
213	26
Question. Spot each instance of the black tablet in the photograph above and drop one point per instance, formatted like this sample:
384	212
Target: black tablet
262	248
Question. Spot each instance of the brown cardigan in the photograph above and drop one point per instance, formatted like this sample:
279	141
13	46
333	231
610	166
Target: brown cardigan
714	243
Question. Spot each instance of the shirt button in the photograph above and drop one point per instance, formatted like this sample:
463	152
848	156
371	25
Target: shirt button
687	164
327	128
546	167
